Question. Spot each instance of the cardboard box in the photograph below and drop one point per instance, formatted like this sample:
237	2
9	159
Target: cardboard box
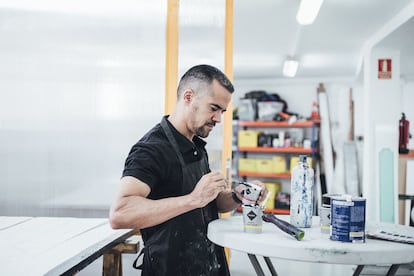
273	188
264	165
279	164
248	138
247	165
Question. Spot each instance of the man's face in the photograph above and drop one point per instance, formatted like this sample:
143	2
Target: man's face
208	108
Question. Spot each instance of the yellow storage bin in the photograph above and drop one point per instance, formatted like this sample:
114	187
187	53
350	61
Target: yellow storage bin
247	165
279	164
294	160
264	165
248	138
273	188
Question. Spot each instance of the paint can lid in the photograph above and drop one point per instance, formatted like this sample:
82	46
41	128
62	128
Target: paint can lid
326	199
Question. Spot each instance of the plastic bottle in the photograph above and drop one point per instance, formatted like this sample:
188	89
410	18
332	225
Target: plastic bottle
301	197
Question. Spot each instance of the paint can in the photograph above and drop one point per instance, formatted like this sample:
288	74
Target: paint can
252	218
251	193
325	213
348	219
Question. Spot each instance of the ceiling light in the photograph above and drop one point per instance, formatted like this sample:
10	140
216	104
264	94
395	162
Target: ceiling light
290	66
308	10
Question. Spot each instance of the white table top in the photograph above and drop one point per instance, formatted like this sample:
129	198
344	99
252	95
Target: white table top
315	246
46	245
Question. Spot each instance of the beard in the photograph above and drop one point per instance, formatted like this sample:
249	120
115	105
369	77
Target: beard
204	130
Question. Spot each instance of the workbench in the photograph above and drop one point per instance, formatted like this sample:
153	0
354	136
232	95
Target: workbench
315	247
61	245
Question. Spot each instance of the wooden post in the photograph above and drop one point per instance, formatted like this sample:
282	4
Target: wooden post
171	63
228	116
112	263
228	70
112	260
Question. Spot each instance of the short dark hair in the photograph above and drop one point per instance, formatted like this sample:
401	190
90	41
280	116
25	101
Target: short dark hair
203	73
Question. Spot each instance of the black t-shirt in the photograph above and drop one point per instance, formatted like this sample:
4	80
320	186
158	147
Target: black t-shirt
153	161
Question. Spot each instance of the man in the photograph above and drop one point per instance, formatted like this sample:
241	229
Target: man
167	189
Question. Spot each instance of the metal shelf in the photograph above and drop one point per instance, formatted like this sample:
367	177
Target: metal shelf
266	175
276	150
273	211
298	124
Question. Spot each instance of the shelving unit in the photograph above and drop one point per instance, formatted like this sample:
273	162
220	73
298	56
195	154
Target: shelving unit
272	125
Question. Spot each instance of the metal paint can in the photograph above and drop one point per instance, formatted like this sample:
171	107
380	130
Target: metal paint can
348	219
251	194
252	218
325	213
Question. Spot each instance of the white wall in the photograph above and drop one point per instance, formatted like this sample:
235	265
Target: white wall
381	115
76	92
79	86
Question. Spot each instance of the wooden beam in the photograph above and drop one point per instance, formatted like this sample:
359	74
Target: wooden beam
112	260
228	70
228	116
112	264
171	63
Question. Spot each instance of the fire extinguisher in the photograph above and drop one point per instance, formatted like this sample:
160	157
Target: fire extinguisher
404	135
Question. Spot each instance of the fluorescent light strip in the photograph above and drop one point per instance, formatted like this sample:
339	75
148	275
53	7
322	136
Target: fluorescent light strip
308	10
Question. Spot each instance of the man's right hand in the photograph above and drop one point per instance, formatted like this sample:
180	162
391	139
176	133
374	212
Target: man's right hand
207	188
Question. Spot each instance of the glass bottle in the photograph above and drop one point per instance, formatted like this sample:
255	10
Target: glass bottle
301	197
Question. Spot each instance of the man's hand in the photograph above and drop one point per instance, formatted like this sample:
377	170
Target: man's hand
207	189
263	192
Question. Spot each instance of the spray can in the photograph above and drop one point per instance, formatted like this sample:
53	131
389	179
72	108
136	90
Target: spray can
301	198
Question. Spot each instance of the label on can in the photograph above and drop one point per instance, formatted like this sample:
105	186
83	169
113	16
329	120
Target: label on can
251	194
325	213
348	219
252	219
325	219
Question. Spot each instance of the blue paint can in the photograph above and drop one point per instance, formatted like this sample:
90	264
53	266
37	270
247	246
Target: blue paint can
348	219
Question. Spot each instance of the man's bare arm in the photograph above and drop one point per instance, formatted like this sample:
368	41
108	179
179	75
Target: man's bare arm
132	208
